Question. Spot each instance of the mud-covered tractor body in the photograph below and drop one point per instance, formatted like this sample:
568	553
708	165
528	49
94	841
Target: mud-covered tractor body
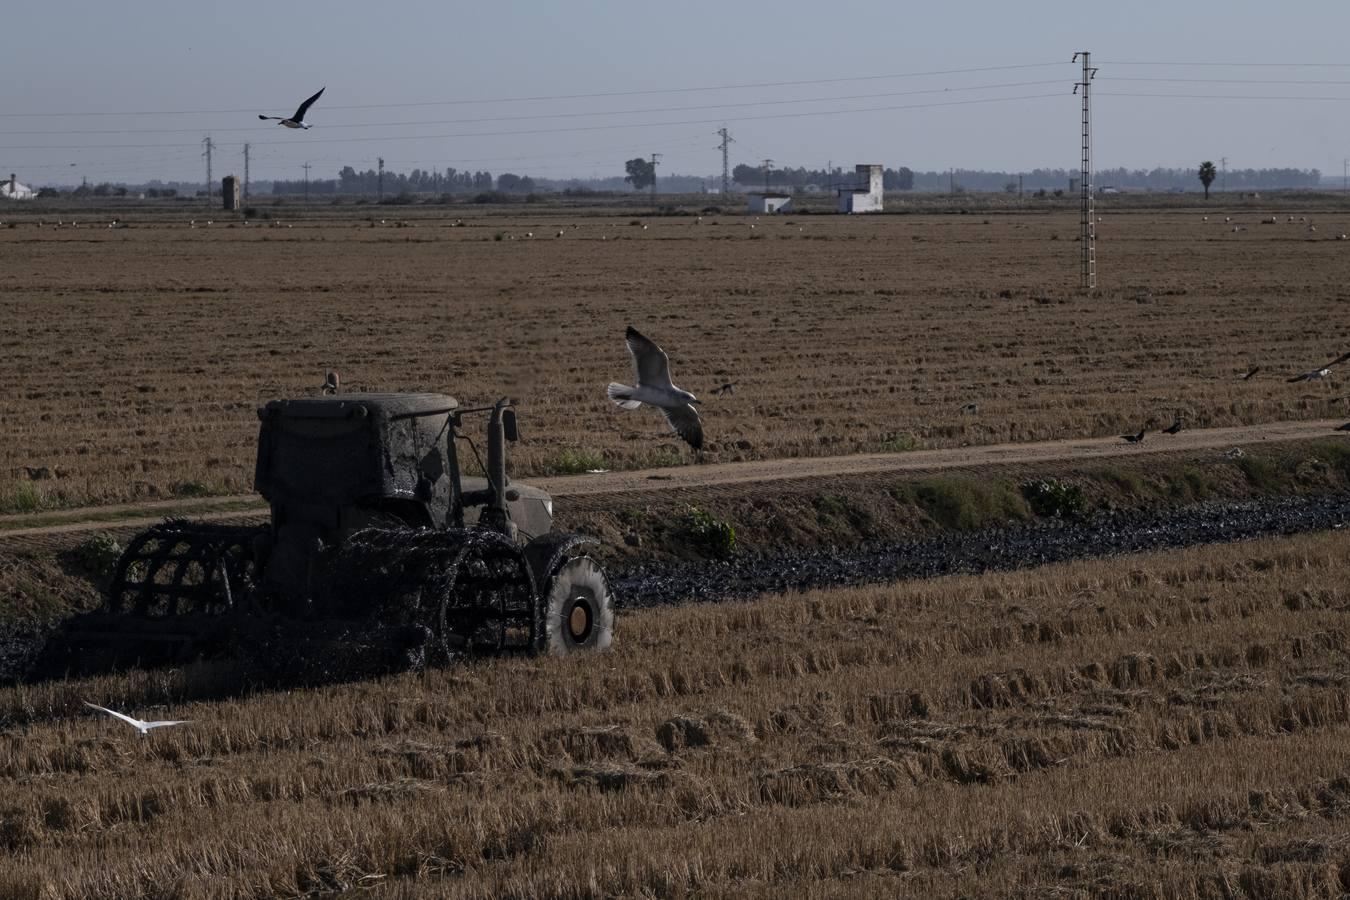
376	540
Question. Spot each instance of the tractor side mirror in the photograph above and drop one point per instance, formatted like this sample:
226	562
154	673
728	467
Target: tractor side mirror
509	425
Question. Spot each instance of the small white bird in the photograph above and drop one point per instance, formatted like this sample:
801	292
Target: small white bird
654	387
142	727
297	120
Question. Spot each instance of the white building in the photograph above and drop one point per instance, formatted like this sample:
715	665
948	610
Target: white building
12	190
865	195
769	203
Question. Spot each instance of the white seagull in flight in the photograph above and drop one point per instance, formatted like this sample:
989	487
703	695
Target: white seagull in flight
297	120
654	387
142	727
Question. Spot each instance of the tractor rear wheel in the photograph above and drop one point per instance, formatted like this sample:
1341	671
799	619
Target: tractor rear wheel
578	609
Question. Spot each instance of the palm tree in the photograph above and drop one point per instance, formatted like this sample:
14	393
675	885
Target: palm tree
1207	175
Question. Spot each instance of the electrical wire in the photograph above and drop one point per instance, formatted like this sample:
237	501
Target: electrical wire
633	93
568	115
574	129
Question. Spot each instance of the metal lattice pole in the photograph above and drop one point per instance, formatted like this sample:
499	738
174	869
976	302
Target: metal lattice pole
655	157
1087	230
726	170
246	173
210	145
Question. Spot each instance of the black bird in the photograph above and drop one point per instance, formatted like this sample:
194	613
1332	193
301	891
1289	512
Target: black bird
1345	427
331	384
726	388
1134	438
1174	427
971	408
1250	372
297	120
1321	373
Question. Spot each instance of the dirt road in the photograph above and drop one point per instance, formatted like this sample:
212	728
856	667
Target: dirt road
696	477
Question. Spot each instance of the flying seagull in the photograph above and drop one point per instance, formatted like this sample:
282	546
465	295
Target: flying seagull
1134	438
142	727
297	120
727	387
1321	373
655	388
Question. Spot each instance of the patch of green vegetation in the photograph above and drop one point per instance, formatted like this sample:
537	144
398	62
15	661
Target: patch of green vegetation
660	458
901	443
964	504
834	508
96	557
1335	454
572	462
1188	483
24	497
706	534
190	489
1262	473
1129	483
1052	498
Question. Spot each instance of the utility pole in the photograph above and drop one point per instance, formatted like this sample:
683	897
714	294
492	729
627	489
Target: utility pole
1087	231
1223	179
306	168
726	169
209	145
951	181
1345	176
1019	186
246	174
655	157
379	183
767	163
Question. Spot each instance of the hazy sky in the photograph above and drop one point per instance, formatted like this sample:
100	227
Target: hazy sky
407	81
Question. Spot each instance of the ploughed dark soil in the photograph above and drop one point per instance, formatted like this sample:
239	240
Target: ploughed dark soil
1004	547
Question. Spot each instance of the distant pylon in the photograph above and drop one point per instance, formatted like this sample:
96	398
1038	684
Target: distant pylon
727	140
1087	230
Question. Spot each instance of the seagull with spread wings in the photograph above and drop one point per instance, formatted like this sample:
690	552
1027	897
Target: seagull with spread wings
142	727
655	388
297	120
1321	373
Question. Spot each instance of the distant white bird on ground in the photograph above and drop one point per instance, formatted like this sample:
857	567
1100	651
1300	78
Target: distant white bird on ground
655	388
1320	373
142	727
297	120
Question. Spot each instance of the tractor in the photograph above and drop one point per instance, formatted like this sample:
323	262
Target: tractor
378	545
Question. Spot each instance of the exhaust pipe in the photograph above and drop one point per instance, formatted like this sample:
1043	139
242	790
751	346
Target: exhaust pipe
494	514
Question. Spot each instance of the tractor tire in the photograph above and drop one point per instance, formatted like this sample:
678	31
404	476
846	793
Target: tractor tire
578	609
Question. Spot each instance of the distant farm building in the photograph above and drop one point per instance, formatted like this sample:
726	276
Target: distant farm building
864	195
769	203
12	190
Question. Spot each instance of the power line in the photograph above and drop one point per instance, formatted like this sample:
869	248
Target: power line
577	115
1210	81
635	93
1227	65
574	129
1218	96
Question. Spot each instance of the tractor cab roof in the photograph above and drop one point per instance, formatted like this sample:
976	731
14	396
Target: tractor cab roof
388	406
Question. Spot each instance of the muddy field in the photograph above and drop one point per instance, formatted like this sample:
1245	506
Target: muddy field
1165	725
132	358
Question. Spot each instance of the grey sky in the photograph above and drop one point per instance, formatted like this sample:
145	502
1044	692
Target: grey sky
245	57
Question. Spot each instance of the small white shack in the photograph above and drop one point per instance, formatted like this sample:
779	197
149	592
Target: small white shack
864	195
12	190
767	202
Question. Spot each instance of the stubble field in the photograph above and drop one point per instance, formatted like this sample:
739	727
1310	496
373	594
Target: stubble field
1170	725
133	358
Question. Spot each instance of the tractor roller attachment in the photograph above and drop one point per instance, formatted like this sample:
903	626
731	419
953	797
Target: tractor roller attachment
470	589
